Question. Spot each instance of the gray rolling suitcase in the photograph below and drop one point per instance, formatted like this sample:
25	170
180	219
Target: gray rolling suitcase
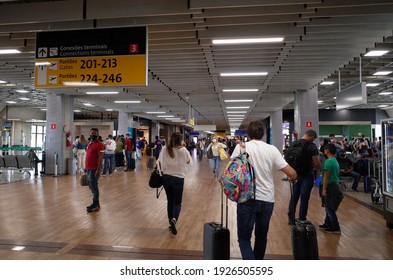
216	237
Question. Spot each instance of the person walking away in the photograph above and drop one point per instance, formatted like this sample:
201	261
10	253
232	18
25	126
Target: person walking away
346	169
266	160
215	160
109	156
330	191
119	155
157	147
94	155
138	149
128	148
81	153
173	161
305	180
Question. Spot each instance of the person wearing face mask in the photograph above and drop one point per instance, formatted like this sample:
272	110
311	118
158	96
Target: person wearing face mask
94	155
346	169
215	160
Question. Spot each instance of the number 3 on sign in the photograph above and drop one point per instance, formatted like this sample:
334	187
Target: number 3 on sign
134	48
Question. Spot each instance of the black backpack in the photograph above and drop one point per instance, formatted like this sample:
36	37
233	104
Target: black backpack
295	155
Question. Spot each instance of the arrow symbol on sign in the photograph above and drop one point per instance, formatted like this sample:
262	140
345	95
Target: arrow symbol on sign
42	52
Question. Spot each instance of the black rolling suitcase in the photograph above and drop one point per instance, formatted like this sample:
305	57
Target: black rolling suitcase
304	237
216	237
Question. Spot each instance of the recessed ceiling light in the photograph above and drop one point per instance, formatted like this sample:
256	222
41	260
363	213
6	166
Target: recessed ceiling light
320	101
88	104
236	115
11	102
236	112
127	101
43	109
327	83
243	74
166	116
2	82
241	90
247	41
238	100
382	73
24	98
102	92
22	91
9	51
155	112
239	107
77	111
372	84
383	106
385	93
376	53
18	248
109	110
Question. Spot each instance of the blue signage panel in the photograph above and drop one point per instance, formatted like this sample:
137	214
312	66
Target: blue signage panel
241	132
194	133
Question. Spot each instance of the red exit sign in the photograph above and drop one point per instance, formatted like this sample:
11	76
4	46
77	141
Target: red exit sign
308	124
53	126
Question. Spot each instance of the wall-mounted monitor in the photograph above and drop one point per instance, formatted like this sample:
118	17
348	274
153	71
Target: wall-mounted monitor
352	96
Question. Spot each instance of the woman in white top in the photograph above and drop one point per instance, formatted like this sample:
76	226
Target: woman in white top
173	160
266	160
215	160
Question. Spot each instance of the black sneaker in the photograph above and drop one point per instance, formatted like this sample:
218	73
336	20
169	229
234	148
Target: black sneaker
90	206
173	226
324	226
93	209
333	230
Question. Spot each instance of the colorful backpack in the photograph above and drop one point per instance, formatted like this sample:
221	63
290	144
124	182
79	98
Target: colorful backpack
238	180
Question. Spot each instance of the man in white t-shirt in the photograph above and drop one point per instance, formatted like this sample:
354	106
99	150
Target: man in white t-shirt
266	160
109	156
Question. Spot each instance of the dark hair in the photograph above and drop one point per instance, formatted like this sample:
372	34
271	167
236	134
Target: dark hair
331	147
256	130
311	133
94	128
174	141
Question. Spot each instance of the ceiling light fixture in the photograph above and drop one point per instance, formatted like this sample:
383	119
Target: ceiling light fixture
372	84
88	104
385	93
77	111
128	101
238	100
327	83
376	53
102	92
382	73
43	109
236	115
236	112
9	51
238	107
109	110
320	101
11	102
24	98
22	91
243	74
155	112
2	82
241	90
166	116
247	41
383	106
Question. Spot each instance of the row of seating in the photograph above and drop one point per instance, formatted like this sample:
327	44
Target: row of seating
15	162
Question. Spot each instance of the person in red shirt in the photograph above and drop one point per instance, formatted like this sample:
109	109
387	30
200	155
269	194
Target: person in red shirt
128	148
94	155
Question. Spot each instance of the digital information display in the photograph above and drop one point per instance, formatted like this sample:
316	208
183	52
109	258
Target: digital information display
103	57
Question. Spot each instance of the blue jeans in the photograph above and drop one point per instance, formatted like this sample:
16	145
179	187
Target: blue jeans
301	189
173	187
200	153
93	185
215	165
356	178
109	160
129	160
249	213
331	218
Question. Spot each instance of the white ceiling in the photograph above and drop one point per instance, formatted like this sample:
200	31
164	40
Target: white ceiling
320	38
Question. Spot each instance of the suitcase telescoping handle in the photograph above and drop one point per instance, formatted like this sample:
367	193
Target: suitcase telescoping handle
222	209
292	214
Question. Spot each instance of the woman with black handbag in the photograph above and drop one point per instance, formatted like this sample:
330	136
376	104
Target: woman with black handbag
173	160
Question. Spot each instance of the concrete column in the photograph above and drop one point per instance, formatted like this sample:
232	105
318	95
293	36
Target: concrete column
276	125
59	121
123	123
306	111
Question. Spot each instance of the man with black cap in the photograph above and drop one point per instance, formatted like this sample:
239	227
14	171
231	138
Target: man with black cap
346	169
